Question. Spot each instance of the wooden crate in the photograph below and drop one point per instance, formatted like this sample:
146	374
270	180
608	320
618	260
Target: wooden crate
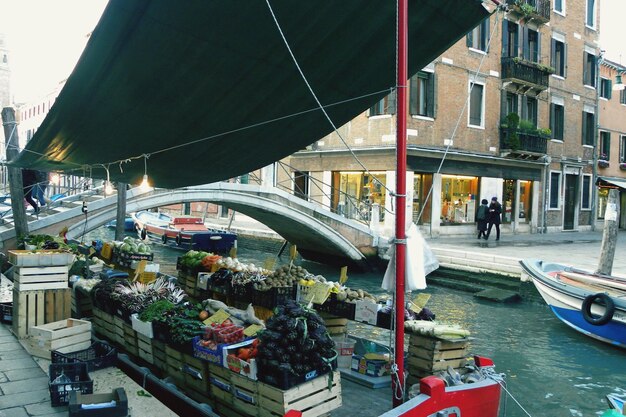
158	354
130	340
428	355
118	331
66	336
144	348
335	325
312	398
81	303
40	278
196	373
245	394
58	304
42	257
219	384
174	365
34	308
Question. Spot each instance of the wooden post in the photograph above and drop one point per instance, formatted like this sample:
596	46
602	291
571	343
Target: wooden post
609	237
121	211
15	174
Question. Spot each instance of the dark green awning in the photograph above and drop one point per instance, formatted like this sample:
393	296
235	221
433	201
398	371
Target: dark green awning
209	91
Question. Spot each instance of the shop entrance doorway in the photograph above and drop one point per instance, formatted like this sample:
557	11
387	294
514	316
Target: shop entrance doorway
571	192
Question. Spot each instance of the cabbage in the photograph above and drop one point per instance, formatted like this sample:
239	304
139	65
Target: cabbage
125	247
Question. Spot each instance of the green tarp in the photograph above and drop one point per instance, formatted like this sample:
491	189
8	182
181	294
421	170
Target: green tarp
207	89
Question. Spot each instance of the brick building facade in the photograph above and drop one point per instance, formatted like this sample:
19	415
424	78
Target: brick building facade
512	106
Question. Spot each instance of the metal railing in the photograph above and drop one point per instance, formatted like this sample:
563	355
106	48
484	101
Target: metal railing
540	8
520	69
527	142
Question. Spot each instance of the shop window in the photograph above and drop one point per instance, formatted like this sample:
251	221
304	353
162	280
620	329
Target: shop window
555	190
622	149
421	186
301	184
585	198
458	194
354	193
524	205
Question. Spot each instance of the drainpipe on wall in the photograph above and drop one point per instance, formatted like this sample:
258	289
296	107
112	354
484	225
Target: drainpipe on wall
546	195
594	167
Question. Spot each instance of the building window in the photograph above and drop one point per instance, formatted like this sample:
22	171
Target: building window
477	103
605	88
555	189
529	111
478	38
622	96
531	45
557	121
510	39
422	94
605	146
421	185
589	69
588	128
385	106
511	103
559	6
585	200
591	13
622	149
559	57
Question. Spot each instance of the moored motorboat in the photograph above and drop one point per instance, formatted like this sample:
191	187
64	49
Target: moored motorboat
182	232
594	305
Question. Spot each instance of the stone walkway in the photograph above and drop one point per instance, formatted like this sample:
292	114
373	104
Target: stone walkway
23	384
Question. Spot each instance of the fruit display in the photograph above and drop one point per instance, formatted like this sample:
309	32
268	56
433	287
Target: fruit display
294	343
194	259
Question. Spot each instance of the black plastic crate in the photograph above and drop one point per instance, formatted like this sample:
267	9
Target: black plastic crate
78	380
161	331
337	308
77	400
273	297
6	312
242	293
98	356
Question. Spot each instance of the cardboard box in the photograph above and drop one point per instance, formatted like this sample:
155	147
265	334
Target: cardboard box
143	327
370	367
90	405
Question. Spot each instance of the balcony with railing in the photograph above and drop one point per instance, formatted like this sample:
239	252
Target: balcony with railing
537	11
526	74
518	142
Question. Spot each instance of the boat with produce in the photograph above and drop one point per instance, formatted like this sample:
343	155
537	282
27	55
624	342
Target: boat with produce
182	232
594	305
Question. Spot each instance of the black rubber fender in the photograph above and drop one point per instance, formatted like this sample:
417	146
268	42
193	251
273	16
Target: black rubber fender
143	233
599	298
179	239
164	238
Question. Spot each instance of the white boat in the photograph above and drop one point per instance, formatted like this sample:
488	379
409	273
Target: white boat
594	305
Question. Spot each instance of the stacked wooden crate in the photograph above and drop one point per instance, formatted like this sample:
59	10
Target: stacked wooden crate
429	355
64	336
40	294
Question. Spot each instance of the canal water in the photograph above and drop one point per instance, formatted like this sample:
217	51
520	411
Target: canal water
551	370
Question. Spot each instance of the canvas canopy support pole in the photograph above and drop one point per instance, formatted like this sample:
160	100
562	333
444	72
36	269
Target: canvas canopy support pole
400	242
14	174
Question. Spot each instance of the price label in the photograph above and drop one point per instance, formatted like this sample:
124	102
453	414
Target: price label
252	330
269	264
293	251
419	302
141	266
319	293
219	317
366	311
343	275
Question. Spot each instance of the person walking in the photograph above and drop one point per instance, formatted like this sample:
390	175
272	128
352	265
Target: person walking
40	188
495	210
29	182
481	219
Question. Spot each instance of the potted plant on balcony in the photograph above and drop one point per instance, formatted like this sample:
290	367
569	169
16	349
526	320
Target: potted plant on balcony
603	161
511	124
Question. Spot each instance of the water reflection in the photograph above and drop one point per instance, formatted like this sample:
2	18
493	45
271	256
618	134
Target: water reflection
551	369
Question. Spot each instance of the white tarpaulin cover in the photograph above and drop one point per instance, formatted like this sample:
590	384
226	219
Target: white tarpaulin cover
420	261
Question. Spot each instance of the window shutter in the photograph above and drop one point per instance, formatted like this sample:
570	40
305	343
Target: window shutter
525	44
430	104
413	95
538	53
553	53
505	38
470	38
584	129
610	83
524	107
564	60
607	145
552	120
516	41
391	103
487	33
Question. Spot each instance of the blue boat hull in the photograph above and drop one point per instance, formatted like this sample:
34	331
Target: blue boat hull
613	332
